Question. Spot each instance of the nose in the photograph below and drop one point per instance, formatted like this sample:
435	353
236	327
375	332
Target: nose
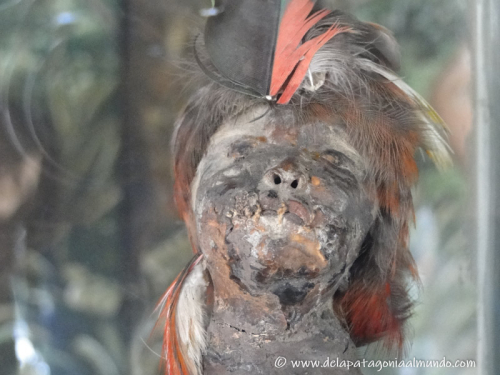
285	178
285	184
281	183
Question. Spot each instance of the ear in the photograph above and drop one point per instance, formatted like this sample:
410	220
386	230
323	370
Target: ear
376	303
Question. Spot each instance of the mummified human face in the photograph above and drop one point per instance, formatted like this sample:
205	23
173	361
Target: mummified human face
290	204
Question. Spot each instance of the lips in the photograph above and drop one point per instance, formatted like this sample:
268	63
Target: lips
293	211
299	210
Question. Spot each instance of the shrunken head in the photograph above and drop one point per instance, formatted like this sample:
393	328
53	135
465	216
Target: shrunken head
295	186
291	202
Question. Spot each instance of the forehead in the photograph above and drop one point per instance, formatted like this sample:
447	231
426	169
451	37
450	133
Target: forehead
258	128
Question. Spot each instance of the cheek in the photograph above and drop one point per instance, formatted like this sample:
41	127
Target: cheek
221	180
329	197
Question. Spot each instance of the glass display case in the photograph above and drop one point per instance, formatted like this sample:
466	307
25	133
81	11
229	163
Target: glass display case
89	235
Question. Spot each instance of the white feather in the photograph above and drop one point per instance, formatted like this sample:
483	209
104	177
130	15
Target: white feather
435	131
190	318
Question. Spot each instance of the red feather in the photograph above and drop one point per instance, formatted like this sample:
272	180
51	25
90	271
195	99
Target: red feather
369	316
292	58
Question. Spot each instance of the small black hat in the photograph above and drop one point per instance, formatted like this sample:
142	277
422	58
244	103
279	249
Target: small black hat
255	46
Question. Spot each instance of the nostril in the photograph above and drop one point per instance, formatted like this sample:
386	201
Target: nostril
294	184
277	179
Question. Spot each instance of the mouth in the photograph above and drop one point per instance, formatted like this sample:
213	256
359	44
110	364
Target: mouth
297	211
292	212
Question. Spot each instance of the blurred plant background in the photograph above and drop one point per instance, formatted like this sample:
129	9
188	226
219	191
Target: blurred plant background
89	237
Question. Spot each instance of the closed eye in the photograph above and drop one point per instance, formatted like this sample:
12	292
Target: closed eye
340	168
240	148
337	158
